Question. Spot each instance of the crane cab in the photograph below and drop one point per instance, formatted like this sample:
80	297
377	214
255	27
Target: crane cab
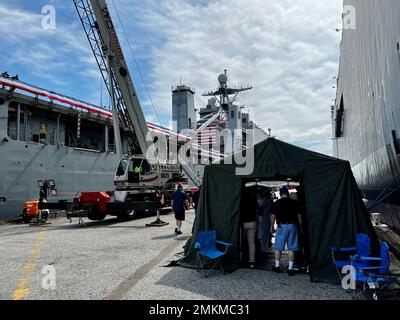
135	171
139	172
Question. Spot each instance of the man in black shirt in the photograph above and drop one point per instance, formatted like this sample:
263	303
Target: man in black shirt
286	214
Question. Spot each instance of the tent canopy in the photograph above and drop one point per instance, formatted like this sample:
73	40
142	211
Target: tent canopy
335	211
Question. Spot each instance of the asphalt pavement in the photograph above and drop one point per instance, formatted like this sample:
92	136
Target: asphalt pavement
127	260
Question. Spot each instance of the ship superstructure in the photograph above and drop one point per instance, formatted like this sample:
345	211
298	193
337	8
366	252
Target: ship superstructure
221	113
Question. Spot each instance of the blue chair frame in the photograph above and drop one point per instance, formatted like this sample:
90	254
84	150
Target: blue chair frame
207	252
362	248
373	278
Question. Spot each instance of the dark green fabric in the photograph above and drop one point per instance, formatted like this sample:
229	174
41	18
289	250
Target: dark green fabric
335	210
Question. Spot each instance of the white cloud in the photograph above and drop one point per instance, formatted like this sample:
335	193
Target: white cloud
288	50
45	55
17	23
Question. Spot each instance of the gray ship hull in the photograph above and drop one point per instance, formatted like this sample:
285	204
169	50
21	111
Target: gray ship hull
73	170
366	117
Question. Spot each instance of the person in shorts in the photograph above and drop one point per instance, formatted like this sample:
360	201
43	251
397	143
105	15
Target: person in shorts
179	204
286	213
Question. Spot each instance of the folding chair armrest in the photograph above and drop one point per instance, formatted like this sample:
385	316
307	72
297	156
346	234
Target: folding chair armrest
367	268
343	249
226	244
361	258
387	277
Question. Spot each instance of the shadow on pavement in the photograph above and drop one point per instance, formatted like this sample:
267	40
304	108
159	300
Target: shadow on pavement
251	285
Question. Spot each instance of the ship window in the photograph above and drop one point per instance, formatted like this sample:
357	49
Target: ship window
222	144
396	142
35	138
233	114
339	120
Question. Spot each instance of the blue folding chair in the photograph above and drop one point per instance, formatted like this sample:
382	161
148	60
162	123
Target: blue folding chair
370	277
342	256
207	252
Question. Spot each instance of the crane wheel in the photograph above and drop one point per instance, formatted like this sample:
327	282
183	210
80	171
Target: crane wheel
26	219
95	215
127	215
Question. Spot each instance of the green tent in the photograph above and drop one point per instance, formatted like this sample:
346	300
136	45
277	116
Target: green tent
335	212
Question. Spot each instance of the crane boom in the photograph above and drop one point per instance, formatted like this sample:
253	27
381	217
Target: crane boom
103	39
142	182
100	31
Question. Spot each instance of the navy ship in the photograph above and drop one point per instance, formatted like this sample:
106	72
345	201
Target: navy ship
366	115
46	135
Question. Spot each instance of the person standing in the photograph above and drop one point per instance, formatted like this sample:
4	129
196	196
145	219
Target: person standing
286	213
265	204
249	225
196	198
302	256
179	204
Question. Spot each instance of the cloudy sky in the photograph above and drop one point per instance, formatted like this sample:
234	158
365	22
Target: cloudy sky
287	50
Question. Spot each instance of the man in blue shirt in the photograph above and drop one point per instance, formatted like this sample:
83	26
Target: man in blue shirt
179	203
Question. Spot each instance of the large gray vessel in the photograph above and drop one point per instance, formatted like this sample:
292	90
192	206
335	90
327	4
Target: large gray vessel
366	116
72	142
46	135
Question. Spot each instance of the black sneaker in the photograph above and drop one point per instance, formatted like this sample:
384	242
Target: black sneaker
179	232
291	272
276	269
176	230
